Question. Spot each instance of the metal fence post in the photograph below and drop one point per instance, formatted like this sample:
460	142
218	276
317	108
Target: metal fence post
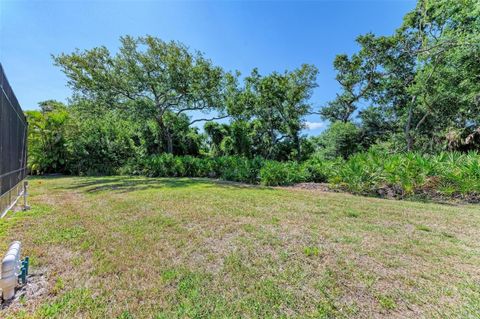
25	194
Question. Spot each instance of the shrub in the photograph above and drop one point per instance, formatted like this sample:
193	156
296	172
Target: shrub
371	173
319	170
403	175
282	173
46	138
241	169
232	168
99	146
340	140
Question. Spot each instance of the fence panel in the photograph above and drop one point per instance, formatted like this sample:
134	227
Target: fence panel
13	144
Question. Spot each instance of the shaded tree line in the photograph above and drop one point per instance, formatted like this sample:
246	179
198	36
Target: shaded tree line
415	90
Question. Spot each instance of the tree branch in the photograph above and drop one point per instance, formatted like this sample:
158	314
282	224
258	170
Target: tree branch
421	121
187	109
210	119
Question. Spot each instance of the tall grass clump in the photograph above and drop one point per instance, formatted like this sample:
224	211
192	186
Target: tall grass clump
410	174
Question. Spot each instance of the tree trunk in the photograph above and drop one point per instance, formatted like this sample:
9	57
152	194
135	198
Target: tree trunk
408	126
164	136
272	142
168	136
296	140
273	138
161	129
408	135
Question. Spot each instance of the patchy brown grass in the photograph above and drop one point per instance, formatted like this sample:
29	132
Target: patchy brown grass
160	248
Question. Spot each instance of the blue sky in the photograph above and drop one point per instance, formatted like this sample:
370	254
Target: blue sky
270	35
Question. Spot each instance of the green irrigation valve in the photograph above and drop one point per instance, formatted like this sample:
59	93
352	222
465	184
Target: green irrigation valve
24	271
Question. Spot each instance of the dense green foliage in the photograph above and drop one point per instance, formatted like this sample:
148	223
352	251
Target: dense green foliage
231	168
420	84
405	99
46	138
373	173
402	175
149	78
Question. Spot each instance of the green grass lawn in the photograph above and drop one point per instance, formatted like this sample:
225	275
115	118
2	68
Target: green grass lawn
165	248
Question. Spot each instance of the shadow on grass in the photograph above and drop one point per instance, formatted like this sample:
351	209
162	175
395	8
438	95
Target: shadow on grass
124	184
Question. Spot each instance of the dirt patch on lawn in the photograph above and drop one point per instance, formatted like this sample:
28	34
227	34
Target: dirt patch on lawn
35	288
322	187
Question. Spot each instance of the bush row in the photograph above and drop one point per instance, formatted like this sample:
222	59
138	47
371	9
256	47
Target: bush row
231	168
402	175
373	173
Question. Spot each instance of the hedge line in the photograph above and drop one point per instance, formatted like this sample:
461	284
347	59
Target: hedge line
371	173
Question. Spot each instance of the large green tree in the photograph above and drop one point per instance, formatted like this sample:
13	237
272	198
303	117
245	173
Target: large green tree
446	85
358	76
423	79
278	104
149	77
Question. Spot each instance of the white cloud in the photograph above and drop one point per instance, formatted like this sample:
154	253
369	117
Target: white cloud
315	125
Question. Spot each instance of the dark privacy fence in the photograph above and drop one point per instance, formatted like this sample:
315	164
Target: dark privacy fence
13	144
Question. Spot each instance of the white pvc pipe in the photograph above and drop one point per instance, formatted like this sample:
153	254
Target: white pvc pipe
11	265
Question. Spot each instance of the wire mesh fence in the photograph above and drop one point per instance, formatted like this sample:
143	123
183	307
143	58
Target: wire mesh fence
13	145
